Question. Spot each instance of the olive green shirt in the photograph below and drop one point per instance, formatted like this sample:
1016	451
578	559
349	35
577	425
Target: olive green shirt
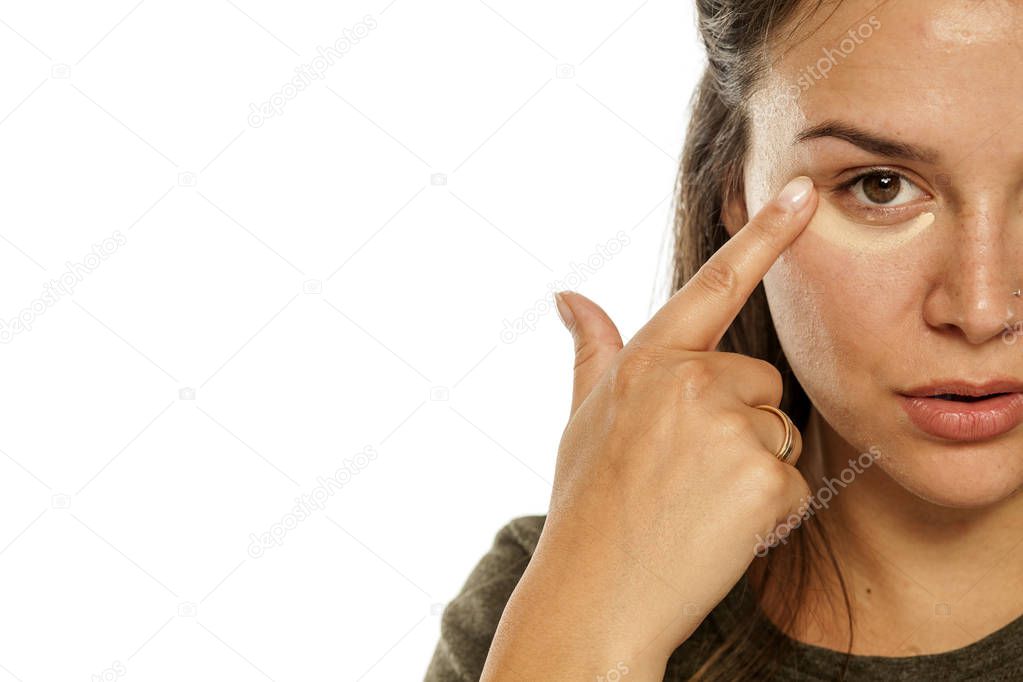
470	620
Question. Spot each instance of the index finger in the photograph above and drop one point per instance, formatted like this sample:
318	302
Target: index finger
699	313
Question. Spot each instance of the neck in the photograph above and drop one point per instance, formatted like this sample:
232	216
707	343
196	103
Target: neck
921	578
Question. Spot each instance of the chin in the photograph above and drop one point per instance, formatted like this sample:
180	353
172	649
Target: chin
962	475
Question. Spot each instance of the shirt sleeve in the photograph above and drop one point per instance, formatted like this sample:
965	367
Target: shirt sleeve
469	621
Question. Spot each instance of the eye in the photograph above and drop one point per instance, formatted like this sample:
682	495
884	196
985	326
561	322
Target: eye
882	188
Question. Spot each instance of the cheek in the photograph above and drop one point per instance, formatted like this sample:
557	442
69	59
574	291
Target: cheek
844	319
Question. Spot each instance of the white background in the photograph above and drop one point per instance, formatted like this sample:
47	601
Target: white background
289	294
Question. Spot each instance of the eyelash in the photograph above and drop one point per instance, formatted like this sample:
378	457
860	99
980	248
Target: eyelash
879	214
874	172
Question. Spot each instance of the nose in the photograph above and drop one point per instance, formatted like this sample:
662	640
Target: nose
974	294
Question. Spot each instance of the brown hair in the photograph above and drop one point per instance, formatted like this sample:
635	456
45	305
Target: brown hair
737	35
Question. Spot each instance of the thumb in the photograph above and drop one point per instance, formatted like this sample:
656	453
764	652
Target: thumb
596	337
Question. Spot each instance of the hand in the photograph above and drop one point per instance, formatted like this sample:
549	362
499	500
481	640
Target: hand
666	474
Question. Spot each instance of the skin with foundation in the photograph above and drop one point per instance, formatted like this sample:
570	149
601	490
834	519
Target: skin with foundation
904	277
831	224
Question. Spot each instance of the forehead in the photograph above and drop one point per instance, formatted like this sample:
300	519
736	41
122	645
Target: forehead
947	72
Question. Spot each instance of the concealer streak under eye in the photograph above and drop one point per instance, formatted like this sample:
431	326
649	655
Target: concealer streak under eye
833	225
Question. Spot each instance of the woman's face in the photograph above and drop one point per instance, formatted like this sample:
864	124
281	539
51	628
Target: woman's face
876	298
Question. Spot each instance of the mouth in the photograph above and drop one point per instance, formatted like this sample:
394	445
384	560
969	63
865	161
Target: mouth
966	398
965	411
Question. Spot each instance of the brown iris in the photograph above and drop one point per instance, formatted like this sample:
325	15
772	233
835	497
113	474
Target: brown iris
881	188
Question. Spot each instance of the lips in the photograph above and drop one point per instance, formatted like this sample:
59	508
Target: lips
965	411
966	398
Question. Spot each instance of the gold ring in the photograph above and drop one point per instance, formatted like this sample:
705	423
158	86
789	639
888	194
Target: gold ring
786	448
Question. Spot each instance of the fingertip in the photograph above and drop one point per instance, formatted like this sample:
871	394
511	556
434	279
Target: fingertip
589	320
796	193
564	309
792	208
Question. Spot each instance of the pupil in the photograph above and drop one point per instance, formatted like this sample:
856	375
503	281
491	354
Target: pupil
881	188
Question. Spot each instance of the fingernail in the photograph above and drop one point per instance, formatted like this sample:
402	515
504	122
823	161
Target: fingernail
564	311
795	194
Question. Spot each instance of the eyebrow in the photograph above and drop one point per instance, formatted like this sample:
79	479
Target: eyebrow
869	141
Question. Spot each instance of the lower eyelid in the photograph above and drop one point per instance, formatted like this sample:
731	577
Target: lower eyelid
875	215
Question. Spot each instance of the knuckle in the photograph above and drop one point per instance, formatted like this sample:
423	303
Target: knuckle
628	369
761	373
767	480
805	494
718	278
694	376
771	378
585	351
734	423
